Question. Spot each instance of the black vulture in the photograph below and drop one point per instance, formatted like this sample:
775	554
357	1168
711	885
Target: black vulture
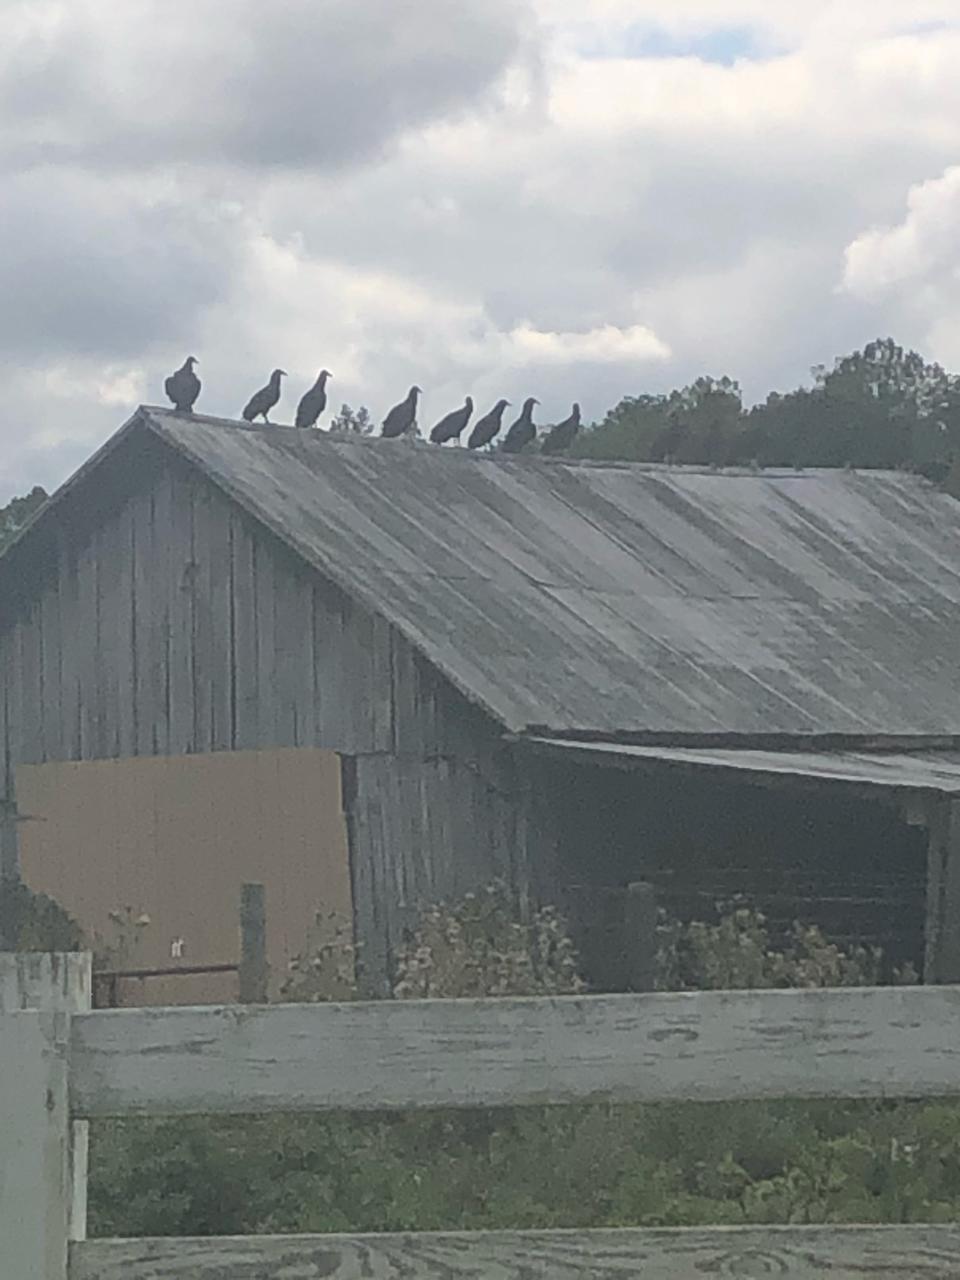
402	417
314	402
559	438
485	428
264	400
523	431
183	387
450	427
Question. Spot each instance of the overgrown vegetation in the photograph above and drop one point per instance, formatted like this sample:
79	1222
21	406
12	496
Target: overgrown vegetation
34	922
589	1166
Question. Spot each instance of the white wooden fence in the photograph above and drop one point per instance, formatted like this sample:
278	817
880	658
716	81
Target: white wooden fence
60	1065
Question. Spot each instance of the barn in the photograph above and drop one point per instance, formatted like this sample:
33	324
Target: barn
376	674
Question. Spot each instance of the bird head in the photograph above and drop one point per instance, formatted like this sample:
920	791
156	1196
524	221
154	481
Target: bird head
414	392
576	411
324	375
529	403
278	374
501	405
468	403
190	362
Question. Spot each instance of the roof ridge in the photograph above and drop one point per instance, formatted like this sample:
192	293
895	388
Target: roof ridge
739	471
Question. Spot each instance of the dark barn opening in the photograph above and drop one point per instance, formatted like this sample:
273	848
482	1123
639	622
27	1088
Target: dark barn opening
818	855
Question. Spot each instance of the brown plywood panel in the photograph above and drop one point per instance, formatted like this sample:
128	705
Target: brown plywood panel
174	838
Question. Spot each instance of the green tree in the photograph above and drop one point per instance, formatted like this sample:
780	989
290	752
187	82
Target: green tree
16	513
357	423
879	407
698	423
883	406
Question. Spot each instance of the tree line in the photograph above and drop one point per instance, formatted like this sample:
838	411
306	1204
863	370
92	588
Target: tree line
882	406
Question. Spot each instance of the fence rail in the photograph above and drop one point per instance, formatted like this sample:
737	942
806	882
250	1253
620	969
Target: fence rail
56	1067
711	1046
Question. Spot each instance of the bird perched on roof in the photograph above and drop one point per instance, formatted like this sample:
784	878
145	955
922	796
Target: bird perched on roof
314	402
485	428
451	427
183	387
263	401
559	438
402	417
523	431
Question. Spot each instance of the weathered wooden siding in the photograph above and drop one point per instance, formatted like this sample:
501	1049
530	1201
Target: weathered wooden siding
168	622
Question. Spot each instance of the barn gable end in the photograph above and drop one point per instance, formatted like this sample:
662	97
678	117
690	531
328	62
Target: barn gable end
166	621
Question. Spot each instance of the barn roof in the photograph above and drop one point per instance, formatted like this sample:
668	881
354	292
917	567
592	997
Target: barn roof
625	599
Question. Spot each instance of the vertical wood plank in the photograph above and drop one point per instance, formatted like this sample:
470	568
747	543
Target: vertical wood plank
74	637
201	620
113	633
245	709
215	561
146	639
287	649
264	603
87	622
35	1181
177	536
51	692
123	680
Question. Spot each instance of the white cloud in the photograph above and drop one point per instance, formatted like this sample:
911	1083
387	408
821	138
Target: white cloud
912	268
923	249
474	200
606	345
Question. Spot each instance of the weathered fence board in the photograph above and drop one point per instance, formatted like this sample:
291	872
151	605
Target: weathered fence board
709	1046
794	1253
56	983
35	1180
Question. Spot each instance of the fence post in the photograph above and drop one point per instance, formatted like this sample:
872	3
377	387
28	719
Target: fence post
52	983
253	945
43	1166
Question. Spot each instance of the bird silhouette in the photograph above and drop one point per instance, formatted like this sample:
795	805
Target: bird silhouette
450	427
559	438
487	427
314	402
523	431
263	401
183	387
402	417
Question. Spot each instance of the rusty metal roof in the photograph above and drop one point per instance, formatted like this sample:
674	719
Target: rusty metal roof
610	598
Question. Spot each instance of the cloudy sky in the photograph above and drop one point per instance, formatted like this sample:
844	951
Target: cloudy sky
562	198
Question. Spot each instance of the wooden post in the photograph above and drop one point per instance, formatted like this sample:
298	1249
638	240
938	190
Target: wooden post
253	945
43	1159
53	984
640	929
942	942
